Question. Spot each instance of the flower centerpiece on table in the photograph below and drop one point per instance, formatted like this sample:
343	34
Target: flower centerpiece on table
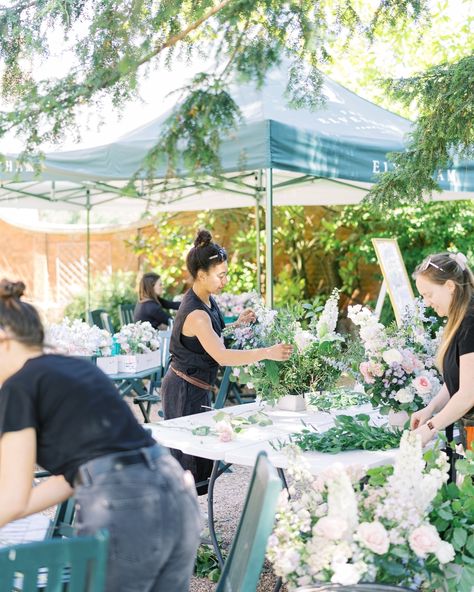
398	370
137	338
77	338
232	305
388	531
315	363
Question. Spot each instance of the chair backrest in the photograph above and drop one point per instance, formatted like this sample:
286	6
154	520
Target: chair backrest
94	318
73	565
165	337
223	389
242	568
126	313
107	322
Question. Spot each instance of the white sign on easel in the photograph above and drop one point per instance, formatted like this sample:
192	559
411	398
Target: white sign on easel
396	281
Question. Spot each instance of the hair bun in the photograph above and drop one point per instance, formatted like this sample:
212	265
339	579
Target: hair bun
11	289
203	238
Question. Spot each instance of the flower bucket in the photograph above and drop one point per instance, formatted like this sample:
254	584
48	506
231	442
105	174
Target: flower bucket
133	363
108	364
397	418
292	403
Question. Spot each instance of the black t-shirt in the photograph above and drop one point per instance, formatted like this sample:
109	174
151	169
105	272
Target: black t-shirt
154	312
462	343
75	409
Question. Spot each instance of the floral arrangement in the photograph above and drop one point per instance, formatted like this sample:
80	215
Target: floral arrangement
137	338
229	425
77	338
387	531
231	305
398	369
315	363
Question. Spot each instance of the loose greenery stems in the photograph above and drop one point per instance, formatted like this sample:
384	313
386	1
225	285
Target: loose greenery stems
348	433
207	564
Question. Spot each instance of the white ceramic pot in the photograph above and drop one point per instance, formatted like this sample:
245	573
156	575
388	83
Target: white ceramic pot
397	419
292	403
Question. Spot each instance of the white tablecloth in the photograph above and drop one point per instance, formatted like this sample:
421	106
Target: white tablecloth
244	448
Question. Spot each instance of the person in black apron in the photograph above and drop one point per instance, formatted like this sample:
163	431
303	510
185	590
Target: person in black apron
197	348
446	283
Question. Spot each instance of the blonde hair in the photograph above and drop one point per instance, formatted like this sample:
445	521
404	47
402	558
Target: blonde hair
438	269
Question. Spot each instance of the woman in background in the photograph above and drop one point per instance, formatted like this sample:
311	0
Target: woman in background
66	415
151	306
197	348
446	284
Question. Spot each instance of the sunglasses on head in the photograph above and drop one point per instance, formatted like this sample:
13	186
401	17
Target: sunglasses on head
221	254
425	265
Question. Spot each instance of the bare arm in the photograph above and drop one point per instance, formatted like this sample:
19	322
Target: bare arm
17	497
461	402
454	408
198	324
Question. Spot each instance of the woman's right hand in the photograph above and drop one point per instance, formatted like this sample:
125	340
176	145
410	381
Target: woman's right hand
419	418
280	352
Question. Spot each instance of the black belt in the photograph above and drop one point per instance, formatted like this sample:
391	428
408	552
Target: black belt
87	472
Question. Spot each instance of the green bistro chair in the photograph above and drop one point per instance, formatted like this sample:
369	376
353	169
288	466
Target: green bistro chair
126	313
243	566
94	317
61	565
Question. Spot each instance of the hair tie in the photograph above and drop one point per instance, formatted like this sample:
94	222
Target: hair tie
460	259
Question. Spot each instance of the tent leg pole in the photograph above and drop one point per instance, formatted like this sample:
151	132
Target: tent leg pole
88	254
269	238
257	223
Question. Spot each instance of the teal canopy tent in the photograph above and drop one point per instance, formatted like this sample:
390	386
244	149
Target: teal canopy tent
276	156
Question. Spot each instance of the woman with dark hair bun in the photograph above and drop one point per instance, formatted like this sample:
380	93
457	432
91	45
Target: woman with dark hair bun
446	283
150	306
197	348
66	415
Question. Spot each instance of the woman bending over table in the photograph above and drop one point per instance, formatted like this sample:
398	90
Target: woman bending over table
66	415
446	284
151	306
197	348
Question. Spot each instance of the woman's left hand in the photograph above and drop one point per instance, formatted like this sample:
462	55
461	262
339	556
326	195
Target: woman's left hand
425	433
247	316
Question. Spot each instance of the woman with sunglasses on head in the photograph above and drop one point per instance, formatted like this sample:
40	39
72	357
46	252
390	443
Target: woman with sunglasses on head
66	415
197	348
151	305
446	284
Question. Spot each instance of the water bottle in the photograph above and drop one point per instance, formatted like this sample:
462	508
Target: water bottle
115	346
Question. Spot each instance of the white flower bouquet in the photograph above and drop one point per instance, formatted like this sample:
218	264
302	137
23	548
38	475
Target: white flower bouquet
388	531
76	338
398	371
231	305
137	338
316	361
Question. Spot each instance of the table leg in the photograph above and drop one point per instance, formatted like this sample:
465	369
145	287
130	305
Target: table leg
217	470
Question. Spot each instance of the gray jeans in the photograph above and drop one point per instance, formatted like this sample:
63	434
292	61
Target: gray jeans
151	512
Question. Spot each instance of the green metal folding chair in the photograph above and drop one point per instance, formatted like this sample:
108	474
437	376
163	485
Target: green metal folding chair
94	318
244	564
126	313
61	565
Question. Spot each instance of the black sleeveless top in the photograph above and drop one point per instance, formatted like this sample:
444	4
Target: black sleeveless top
187	353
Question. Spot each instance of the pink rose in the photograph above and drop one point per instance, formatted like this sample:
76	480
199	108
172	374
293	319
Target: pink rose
373	536
376	368
424	539
224	431
364	370
330	528
422	385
